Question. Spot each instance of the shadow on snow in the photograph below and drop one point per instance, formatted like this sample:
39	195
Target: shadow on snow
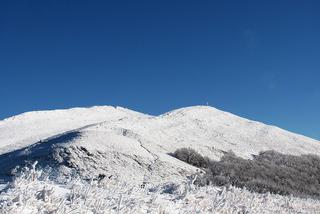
40	151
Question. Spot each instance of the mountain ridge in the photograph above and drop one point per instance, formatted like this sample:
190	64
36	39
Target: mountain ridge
120	142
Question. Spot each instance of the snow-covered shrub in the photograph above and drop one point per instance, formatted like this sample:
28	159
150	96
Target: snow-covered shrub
269	171
32	192
192	157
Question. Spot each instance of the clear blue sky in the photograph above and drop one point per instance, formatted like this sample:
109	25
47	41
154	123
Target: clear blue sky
257	59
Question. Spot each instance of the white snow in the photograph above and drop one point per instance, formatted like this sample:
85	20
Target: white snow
28	128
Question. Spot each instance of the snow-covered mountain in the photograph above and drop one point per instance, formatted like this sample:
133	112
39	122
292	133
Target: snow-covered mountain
130	151
118	142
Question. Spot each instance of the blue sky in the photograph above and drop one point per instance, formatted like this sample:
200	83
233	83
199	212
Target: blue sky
257	59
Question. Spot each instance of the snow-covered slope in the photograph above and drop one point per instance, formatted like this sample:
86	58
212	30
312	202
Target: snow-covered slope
28	128
127	144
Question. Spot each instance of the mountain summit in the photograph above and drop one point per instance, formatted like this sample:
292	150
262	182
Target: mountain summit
115	141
